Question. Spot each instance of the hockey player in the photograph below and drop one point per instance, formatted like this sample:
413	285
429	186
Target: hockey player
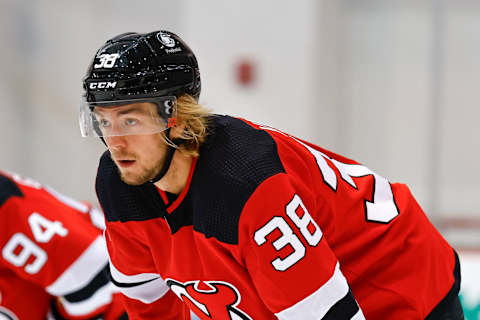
54	262
243	221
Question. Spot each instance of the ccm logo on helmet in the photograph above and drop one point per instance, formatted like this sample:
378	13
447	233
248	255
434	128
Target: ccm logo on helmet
102	85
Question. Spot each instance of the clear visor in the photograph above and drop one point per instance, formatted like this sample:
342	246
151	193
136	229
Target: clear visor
127	117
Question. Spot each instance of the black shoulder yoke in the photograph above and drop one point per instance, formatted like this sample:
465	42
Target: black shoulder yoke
8	189
123	202
233	162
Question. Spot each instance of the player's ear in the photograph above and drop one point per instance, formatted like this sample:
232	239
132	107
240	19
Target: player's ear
177	129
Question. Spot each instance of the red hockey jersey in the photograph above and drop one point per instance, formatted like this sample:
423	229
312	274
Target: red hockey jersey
273	227
54	262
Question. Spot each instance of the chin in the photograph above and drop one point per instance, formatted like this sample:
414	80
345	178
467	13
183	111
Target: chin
131	179
136	180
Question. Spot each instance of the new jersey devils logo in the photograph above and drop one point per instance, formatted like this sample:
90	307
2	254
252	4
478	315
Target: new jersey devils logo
210	299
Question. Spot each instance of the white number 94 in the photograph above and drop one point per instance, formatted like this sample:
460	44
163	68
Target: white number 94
19	249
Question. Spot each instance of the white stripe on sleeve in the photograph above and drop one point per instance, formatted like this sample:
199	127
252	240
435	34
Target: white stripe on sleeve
145	287
102	296
316	305
83	270
131	279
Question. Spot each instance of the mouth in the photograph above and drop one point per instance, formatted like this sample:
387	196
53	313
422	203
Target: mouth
125	163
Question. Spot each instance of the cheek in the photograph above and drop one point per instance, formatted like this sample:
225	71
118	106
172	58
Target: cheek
151	147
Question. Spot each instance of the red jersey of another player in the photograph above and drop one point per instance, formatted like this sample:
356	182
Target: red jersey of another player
53	262
273	227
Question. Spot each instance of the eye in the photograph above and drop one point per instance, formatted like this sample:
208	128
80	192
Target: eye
104	123
131	122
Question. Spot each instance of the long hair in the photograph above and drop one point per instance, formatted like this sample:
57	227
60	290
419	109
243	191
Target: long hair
195	117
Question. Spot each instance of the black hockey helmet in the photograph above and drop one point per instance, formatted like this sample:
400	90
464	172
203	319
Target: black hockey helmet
154	67
137	66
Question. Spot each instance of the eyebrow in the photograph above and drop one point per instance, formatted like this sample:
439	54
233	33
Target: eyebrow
128	110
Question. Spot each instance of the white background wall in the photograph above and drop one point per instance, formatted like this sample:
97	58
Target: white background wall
392	84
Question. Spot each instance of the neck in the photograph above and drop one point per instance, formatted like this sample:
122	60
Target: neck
177	175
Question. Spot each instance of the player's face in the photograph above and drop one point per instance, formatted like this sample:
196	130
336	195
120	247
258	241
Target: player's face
139	158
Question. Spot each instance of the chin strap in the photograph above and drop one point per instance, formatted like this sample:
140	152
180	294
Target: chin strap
166	165
168	160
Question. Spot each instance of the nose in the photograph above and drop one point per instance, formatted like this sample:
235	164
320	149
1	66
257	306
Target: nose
116	142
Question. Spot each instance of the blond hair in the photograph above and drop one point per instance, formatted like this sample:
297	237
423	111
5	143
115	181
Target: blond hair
195	118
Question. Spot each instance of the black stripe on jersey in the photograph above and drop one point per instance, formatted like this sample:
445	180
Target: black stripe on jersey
54	310
129	285
101	279
58	316
5	315
344	309
8	189
444	306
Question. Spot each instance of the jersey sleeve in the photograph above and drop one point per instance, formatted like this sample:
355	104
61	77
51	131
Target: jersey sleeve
147	296
291	264
50	242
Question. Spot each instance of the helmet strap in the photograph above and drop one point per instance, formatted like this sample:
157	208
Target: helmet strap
168	160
